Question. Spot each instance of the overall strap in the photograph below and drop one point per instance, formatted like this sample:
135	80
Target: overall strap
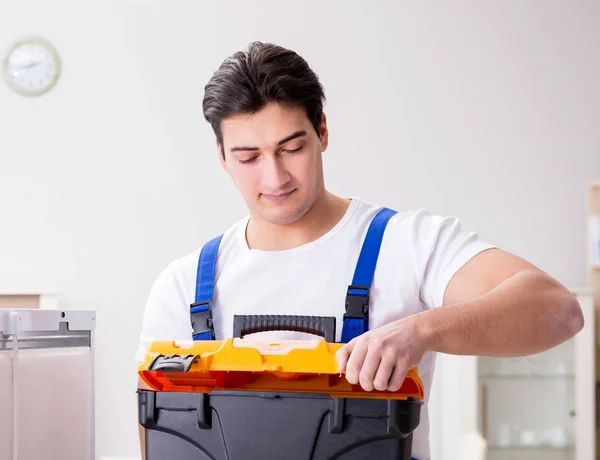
200	310
356	318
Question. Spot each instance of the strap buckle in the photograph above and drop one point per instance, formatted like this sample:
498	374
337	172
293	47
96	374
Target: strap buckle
357	302
202	319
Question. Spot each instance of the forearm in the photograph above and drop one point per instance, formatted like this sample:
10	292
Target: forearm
525	314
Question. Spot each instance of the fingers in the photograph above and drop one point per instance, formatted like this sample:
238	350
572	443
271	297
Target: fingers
370	366
384	372
343	354
355	361
397	377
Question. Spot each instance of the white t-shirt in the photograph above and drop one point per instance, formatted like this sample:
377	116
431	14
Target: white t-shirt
419	254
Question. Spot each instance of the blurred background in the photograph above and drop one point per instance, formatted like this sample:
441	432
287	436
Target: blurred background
488	111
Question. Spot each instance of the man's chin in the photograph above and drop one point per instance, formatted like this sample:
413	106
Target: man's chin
282	216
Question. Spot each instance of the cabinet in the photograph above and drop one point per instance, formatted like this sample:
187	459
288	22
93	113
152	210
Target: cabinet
593	262
538	407
47	384
541	406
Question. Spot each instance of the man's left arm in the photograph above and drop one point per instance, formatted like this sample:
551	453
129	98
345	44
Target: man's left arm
496	304
500	305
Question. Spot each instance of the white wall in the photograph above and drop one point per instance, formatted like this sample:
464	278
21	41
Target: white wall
487	111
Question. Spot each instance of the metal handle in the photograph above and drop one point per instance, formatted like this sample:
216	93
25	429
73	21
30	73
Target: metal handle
323	326
35	338
12	330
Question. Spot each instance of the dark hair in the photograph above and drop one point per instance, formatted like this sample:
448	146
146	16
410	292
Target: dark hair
263	73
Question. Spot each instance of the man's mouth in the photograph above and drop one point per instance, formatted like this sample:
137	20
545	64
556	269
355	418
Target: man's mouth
278	197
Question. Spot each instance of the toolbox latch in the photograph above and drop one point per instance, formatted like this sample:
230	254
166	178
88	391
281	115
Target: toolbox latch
172	363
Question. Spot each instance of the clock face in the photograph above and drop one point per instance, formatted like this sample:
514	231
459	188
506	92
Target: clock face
32	67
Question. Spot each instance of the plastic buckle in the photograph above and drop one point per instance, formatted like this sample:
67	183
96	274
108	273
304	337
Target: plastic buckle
202	320
357	305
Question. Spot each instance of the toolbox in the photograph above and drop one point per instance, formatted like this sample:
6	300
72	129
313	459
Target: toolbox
245	399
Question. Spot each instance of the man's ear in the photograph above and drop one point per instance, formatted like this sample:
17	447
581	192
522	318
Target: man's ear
221	153
324	133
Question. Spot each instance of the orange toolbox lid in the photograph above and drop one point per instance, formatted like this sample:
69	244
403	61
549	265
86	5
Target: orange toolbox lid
235	364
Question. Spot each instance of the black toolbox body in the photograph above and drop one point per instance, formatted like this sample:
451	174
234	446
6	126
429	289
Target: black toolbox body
228	425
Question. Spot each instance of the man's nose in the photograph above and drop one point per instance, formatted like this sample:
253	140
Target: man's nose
275	175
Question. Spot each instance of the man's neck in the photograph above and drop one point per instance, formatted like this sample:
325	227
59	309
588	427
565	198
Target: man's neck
327	211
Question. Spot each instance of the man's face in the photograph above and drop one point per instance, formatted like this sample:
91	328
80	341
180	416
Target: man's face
274	159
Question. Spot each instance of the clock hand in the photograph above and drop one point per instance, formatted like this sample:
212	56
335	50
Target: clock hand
29	65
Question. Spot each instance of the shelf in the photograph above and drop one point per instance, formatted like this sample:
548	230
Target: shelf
532	454
42	301
540	448
533	377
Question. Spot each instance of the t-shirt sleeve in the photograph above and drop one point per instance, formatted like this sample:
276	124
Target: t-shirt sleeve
439	247
166	313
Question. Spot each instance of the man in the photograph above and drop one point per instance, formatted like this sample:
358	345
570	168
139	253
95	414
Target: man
436	288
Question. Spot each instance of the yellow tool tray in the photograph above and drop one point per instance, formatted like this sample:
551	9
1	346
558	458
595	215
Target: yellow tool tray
235	364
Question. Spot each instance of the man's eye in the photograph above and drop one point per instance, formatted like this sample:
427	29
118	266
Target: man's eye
294	150
249	160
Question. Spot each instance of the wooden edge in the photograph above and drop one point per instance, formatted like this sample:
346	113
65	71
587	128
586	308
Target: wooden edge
42	301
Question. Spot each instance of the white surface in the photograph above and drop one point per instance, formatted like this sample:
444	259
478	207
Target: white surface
484	110
48	301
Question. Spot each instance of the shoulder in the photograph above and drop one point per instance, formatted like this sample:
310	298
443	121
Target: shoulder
427	239
421	226
404	226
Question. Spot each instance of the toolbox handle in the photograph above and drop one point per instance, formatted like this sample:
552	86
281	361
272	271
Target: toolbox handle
323	326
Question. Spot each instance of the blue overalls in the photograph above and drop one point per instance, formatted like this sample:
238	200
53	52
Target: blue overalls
356	317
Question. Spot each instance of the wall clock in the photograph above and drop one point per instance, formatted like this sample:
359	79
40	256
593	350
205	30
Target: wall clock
31	67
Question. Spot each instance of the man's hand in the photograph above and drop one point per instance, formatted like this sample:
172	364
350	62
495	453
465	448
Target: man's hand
380	359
